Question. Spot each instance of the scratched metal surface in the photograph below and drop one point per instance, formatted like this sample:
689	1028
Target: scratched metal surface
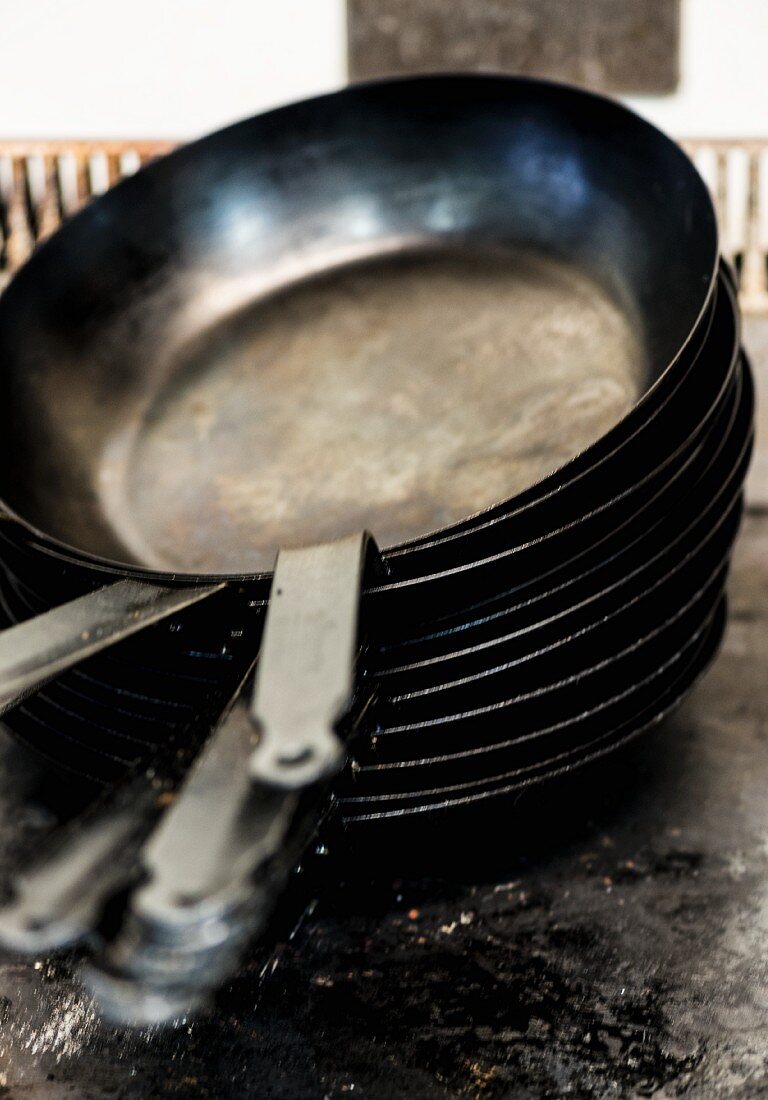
430	386
605	939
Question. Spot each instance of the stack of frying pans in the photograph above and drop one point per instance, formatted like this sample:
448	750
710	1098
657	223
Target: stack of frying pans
604	614
500	650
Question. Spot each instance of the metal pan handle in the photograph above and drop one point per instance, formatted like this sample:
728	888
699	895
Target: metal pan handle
220	856
39	649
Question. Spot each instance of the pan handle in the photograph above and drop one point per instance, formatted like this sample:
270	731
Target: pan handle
37	650
219	858
307	664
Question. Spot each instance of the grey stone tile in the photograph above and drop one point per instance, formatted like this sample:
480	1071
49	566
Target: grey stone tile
622	46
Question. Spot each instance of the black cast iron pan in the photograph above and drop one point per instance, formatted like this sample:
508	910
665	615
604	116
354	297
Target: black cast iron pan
126	311
567	625
562	622
228	354
714	371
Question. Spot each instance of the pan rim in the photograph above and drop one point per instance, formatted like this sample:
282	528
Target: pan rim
705	641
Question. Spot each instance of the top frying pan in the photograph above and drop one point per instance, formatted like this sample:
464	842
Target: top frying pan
148	429
208	363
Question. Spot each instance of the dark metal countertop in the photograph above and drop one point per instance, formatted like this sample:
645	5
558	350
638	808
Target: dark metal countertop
605	938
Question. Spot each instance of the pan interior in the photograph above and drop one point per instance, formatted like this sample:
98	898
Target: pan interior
399	394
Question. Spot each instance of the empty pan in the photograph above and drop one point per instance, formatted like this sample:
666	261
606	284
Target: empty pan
481	317
175	405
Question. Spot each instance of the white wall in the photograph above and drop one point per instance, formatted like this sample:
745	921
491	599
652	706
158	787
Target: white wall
160	68
723	90
176	68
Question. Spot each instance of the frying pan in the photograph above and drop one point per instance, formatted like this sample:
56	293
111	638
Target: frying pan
208	365
91	329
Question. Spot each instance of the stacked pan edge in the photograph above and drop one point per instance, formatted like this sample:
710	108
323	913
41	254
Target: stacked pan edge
528	640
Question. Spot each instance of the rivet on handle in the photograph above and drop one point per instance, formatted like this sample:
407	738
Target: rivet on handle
306	670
